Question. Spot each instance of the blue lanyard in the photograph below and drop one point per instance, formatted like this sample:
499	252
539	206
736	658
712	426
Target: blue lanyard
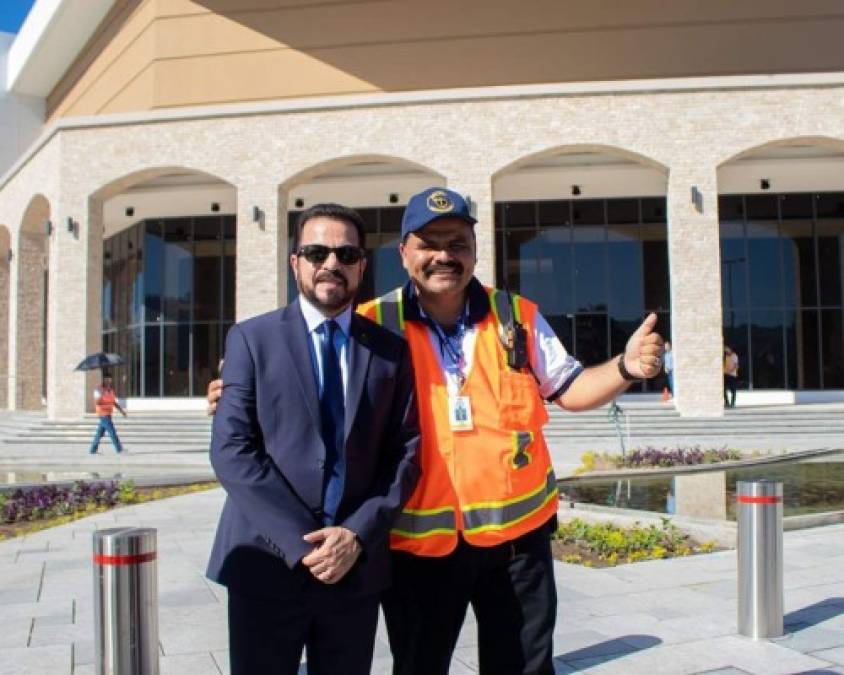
451	346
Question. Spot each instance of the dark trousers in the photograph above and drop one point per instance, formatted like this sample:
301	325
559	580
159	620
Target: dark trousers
730	382
511	590
267	635
105	426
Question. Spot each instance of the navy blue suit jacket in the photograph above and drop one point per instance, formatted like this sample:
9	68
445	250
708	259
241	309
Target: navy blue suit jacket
268	454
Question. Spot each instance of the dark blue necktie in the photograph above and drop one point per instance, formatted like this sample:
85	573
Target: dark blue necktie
331	408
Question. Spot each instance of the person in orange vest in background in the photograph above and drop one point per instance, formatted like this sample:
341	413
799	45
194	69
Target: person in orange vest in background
105	401
476	531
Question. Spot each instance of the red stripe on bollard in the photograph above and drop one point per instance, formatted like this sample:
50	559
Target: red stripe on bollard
748	499
100	559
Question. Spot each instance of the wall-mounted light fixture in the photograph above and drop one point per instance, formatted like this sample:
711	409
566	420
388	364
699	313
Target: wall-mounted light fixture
575	190
258	216
394	198
215	206
697	199
130	211
9	255
765	184
72	226
48	227
299	203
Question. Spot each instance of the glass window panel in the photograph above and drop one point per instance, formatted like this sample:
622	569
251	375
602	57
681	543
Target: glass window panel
733	265
391	219
384	269
207	269
499	214
731	207
522	264
590	338
589	258
764	264
798	256
121	373
520	214
830	234
121	277
152	361
762	207
796	207
833	348
624	252
134	361
550	284
108	283
656	276
370	219
178	270
737	336
563	326
136	273
653	210
207	352
588	212
176	361
554	213
802	349
500	263
830	205
230	266
153	269
622	211
766	344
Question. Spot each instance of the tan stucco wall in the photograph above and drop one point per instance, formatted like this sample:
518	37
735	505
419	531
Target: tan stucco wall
467	142
152	54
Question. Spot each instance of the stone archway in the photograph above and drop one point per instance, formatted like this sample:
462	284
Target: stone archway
5	281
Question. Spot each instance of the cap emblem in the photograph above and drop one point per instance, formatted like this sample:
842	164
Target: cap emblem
439	202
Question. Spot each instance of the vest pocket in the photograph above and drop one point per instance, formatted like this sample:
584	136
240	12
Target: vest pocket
520	406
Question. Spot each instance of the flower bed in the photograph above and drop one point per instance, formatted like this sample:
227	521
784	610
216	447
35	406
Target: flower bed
27	510
607	545
644	458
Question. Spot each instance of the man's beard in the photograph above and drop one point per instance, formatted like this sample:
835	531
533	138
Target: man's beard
336	300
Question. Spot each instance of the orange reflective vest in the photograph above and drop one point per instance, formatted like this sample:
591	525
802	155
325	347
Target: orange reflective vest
104	405
495	482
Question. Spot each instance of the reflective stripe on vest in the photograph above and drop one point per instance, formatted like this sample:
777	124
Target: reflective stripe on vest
425	522
501	306
389	312
498	515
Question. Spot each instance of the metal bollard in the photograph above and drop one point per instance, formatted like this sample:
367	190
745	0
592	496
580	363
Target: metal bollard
760	587
126	601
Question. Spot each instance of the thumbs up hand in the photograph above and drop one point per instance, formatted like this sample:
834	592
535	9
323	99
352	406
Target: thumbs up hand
643	353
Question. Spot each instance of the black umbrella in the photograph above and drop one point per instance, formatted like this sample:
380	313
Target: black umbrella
99	360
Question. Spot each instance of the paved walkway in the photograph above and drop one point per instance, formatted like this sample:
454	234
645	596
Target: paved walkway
672	616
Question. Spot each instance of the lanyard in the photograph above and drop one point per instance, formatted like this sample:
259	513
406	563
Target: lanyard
451	346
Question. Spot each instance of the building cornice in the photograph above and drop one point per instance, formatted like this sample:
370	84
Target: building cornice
427	97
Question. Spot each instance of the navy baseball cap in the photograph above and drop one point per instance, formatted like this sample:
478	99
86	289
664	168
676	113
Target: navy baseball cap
433	204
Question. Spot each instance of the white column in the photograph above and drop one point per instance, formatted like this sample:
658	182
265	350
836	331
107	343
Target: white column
696	321
261	281
477	185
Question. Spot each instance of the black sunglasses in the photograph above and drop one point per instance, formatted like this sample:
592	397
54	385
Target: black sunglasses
318	253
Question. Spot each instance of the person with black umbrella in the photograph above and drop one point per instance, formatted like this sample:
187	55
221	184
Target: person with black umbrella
105	401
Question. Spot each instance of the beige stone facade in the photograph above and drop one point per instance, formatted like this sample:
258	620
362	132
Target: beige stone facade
263	153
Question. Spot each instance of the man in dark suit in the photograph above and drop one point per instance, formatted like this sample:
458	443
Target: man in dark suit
315	444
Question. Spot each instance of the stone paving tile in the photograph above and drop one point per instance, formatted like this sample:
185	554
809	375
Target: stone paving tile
186	630
15	633
84	650
189	664
221	658
723	671
53	660
812	639
834	655
44	608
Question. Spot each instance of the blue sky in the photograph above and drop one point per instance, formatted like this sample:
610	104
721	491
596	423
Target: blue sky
12	14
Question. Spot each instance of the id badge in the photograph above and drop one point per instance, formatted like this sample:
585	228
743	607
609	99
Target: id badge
460	413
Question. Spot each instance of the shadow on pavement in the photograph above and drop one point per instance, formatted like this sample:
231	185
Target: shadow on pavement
813	614
606	651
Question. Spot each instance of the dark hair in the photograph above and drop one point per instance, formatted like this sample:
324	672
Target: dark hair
335	211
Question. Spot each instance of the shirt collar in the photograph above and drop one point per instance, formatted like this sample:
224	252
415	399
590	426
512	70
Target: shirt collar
477	302
314	318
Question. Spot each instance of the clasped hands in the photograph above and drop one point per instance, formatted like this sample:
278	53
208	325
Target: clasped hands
335	551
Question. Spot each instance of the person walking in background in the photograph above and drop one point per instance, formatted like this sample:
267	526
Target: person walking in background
731	369
668	366
105	401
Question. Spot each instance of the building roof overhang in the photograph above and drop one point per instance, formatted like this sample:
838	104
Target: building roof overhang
54	33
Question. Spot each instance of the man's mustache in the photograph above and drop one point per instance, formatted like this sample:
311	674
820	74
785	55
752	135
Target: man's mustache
331	275
455	267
